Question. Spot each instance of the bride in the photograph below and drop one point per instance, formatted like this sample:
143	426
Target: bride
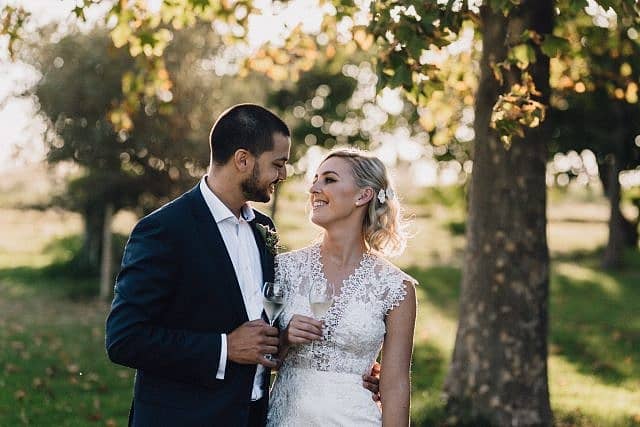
374	308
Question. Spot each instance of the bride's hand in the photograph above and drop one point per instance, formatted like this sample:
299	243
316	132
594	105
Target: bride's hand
302	330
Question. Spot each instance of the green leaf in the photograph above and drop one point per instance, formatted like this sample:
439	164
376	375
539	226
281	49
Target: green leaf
414	47
522	54
553	46
576	6
405	32
79	12
401	77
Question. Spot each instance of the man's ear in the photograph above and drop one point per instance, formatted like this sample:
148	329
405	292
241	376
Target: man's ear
366	194
243	160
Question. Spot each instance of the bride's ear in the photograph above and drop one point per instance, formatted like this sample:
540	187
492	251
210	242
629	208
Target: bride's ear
366	194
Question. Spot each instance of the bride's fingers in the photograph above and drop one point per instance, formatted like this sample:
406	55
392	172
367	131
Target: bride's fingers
308	331
301	336
312	327
298	318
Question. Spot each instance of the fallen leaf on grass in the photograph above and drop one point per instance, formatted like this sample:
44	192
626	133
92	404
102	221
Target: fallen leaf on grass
37	382
124	374
17	345
10	368
15	327
95	417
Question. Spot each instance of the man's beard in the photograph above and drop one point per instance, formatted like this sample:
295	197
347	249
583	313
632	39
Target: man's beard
251	187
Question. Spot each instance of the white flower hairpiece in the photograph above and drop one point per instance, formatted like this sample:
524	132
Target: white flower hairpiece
383	195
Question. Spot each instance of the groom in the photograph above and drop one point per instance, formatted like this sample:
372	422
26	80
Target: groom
187	307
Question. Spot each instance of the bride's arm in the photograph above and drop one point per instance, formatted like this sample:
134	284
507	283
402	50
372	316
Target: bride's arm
395	384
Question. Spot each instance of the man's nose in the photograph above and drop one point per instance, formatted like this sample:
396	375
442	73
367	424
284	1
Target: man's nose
282	173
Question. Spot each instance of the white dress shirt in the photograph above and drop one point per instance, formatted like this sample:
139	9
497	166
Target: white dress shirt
245	256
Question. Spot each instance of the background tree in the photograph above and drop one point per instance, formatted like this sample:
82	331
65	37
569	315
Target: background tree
157	151
597	86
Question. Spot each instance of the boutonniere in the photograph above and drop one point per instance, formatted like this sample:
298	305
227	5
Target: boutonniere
270	237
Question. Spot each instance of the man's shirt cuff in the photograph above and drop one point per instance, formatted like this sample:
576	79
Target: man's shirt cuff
222	365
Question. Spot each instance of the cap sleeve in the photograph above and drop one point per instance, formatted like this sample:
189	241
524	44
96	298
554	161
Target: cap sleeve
391	286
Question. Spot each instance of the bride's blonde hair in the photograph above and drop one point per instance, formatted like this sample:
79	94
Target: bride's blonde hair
384	227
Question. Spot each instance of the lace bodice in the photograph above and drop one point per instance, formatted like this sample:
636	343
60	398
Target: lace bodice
355	323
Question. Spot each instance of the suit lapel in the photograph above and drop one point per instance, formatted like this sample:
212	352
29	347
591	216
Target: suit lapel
266	261
218	250
266	258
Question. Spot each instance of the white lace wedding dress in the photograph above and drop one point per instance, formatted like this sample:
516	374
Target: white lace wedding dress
320	384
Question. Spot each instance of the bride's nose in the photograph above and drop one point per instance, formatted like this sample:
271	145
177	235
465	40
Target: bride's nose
314	188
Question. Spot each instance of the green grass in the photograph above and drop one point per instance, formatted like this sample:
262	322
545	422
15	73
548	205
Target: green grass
54	371
594	374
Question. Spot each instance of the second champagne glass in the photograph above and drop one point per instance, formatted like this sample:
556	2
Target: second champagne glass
320	300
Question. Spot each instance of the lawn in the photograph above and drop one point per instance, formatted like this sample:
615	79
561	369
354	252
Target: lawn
54	371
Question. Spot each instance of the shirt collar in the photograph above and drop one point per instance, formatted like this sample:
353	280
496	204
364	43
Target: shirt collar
218	209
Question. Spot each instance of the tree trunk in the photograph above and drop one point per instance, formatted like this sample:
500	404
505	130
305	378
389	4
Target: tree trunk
618	224
88	260
106	267
498	373
627	229
622	232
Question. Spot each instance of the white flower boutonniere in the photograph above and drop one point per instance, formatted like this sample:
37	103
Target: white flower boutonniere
270	237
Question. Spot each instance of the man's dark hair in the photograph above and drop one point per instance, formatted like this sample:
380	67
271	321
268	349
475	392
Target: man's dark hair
246	126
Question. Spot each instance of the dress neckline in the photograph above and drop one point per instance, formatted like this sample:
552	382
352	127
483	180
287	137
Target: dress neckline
347	279
317	268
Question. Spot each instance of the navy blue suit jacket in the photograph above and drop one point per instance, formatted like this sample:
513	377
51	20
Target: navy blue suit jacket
176	294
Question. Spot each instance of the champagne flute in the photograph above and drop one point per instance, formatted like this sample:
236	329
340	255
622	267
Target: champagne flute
320	300
273	302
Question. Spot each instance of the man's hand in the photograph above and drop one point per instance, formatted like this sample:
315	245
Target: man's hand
250	342
372	382
302	330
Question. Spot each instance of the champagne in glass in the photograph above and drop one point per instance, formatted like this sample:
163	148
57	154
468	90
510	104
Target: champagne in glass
320	298
273	300
319	308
